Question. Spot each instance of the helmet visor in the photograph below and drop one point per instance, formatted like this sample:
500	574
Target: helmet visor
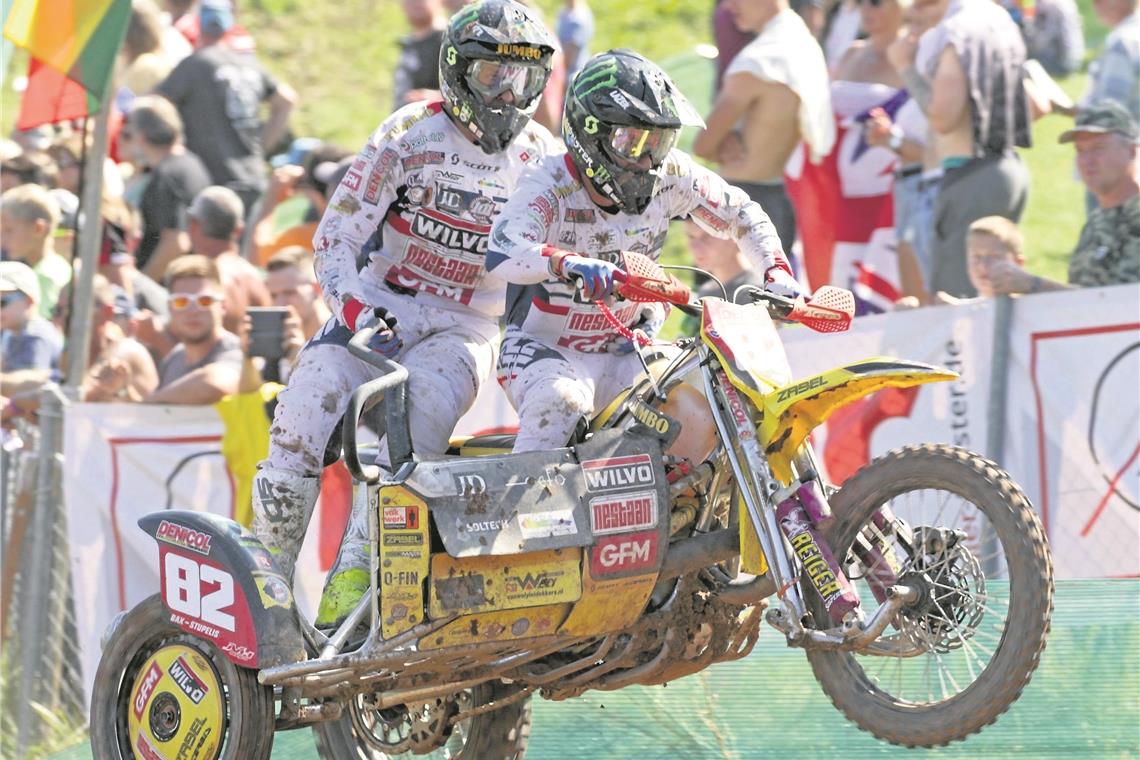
493	79
632	143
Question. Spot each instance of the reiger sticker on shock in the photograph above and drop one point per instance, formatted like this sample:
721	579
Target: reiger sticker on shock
618	473
205	599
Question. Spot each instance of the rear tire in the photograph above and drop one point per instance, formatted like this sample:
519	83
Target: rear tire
498	735
247	706
1016	644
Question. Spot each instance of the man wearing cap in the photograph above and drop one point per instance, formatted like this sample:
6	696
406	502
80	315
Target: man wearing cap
1108	250
219	92
216	223
31	345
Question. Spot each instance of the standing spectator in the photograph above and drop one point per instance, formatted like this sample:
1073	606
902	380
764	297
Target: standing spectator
292	282
117	263
67	154
575	29
215	227
184	21
28	220
729	41
417	68
1115	74
866	59
121	368
1053	36
153	138
723	259
314	180
778	87
972	93
28	169
207	362
218	92
1108	250
31	344
144	62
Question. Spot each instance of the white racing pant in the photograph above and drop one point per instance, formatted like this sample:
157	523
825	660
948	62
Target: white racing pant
552	388
448	355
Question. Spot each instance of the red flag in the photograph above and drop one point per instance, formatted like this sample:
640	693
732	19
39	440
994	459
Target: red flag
51	98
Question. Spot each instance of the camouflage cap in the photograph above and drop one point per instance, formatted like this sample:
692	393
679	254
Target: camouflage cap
1105	116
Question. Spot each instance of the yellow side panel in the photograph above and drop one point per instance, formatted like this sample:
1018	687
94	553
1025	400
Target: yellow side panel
752	559
479	584
403	519
502	625
608	605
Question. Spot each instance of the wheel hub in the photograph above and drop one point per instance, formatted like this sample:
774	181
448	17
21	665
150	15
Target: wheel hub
951	588
177	705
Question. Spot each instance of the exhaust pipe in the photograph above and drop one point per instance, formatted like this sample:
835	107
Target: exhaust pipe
696	553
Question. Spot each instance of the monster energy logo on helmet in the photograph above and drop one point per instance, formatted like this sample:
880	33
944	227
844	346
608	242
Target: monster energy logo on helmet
598	73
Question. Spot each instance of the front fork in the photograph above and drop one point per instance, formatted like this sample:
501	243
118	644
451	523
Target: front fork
799	512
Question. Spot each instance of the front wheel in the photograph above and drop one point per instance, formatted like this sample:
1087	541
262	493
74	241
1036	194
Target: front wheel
422	729
160	692
963	532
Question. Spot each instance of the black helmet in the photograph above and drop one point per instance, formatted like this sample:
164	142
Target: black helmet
621	108
489	48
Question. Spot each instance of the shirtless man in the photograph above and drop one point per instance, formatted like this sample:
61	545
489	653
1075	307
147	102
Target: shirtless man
974	138
216	216
776	92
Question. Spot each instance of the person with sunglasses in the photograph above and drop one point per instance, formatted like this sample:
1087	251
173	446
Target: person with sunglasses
403	239
206	364
616	189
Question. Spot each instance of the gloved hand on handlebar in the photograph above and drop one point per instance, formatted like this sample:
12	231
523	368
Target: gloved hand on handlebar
779	281
596	276
358	316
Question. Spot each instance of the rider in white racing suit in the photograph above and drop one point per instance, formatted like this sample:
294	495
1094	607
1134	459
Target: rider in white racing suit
401	247
616	189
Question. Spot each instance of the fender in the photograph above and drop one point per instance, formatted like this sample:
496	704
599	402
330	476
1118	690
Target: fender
220	583
792	411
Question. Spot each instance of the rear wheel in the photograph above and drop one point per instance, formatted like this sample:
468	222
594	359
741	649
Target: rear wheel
968	538
421	730
160	692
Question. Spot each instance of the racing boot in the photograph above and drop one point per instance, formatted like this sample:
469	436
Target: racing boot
348	580
283	502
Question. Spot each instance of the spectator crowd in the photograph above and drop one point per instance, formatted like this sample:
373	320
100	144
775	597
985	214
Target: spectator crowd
199	225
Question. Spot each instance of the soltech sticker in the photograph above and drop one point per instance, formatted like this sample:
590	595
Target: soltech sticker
615	514
618	473
624	553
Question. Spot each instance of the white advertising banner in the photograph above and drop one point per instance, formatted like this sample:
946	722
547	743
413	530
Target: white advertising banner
1073	424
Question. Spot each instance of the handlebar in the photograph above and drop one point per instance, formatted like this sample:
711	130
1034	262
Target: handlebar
394	377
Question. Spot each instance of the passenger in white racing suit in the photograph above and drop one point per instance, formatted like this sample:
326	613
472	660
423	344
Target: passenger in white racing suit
401	247
616	189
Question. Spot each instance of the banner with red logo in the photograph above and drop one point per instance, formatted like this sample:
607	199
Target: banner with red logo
844	206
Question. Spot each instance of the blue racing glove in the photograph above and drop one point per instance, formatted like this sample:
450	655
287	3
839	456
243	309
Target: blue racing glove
358	316
597	276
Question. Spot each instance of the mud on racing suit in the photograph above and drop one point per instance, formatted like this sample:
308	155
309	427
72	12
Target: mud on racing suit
558	361
406	230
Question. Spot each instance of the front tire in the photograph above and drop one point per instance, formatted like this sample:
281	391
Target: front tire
159	686
501	734
979	635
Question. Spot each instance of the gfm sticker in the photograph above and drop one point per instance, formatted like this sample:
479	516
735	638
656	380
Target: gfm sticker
402	518
614	514
624	553
146	688
618	473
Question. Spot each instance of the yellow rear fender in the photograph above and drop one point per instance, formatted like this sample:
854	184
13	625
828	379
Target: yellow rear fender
792	411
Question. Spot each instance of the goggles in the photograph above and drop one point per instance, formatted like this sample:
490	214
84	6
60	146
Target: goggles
10	298
632	143
183	301
493	79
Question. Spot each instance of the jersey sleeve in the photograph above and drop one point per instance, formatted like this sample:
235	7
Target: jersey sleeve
724	211
356	210
522	230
